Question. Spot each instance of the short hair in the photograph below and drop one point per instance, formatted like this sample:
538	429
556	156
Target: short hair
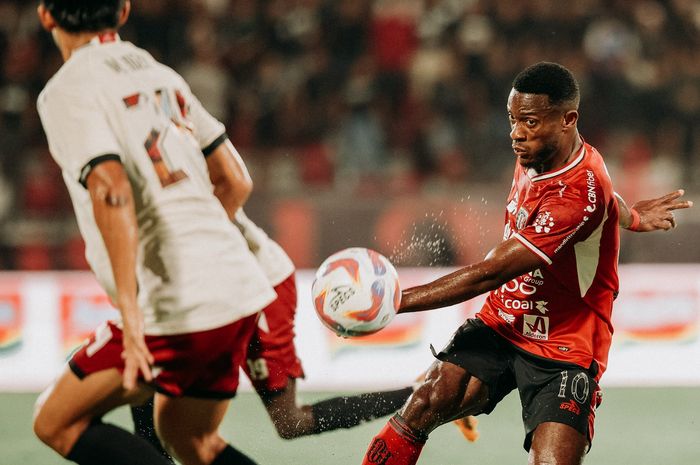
550	79
85	15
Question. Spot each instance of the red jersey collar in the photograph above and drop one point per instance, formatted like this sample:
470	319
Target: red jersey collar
105	38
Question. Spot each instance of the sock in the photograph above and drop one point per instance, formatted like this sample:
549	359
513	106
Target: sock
346	412
396	444
230	456
105	444
142	416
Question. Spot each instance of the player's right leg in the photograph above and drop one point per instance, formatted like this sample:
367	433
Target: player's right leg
470	377
68	415
448	392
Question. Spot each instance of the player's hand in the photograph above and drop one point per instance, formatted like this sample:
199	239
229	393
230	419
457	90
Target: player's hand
137	358
656	214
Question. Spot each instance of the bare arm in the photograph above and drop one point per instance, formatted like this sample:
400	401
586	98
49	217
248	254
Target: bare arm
113	207
229	175
654	214
508	260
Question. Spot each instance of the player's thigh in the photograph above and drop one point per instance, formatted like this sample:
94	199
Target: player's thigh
557	443
447	392
189	425
66	408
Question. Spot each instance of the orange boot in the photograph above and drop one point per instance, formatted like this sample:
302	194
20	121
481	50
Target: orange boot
467	426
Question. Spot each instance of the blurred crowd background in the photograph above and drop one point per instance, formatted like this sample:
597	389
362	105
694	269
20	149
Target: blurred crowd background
379	123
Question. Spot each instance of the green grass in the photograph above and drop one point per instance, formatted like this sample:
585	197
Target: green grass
633	427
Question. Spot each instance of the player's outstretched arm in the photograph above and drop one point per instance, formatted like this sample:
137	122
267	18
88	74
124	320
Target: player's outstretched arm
508	260
229	175
113	207
652	214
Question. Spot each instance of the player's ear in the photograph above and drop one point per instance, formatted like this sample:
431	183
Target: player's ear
124	15
570	119
45	18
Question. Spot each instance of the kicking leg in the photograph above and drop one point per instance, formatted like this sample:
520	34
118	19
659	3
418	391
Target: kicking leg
68	420
448	392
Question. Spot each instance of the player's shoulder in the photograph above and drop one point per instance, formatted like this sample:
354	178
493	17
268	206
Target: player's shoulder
68	83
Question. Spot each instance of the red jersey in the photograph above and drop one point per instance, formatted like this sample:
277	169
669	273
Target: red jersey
568	218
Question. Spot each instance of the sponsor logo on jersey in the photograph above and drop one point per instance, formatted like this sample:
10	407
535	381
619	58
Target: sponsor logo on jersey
563	348
507	317
521	219
592	196
515	285
507	232
536	327
544	222
512	205
378	452
515	304
571	406
540	305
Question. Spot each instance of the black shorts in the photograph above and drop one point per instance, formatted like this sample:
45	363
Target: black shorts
550	391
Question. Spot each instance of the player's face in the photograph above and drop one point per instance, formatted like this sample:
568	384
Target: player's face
535	129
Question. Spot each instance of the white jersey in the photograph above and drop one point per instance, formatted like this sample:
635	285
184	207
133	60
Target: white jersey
112	100
272	258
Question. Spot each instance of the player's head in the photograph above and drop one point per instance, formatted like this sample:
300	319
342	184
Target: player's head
543	112
77	16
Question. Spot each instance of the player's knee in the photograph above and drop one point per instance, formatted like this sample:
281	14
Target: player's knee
51	433
192	449
290	425
287	432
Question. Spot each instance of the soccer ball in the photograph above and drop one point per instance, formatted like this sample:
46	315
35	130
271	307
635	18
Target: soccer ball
356	292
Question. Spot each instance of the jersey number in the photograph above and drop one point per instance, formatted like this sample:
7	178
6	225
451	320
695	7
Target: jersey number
154	143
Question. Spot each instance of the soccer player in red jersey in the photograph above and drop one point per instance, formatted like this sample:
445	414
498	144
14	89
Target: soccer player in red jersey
545	328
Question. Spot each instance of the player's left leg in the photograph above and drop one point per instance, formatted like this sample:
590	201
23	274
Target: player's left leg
557	443
142	416
189	428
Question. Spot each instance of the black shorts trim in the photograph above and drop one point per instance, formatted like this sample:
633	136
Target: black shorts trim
209	149
76	369
89	166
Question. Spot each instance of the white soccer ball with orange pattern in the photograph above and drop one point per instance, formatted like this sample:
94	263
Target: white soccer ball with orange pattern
356	292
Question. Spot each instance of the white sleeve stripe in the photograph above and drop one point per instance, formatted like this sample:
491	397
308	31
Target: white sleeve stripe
532	247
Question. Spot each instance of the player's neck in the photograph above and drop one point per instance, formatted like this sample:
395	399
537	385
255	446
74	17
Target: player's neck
68	42
568	154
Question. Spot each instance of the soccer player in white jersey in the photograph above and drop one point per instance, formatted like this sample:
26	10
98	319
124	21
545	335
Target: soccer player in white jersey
273	366
130	138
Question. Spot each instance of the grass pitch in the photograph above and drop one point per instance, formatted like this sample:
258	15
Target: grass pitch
640	426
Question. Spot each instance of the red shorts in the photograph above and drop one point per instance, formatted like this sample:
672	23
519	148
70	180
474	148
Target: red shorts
272	357
201	364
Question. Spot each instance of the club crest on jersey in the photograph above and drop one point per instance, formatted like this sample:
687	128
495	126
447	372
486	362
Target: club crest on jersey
536	327
544	222
521	219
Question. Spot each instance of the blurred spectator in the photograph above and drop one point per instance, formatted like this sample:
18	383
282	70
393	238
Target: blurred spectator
375	97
